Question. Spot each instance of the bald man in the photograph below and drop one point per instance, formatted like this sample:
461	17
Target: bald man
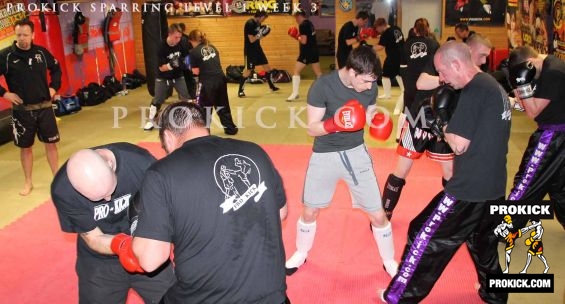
92	193
477	131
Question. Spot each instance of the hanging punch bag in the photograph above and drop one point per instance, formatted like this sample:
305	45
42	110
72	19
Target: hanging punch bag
47	33
154	31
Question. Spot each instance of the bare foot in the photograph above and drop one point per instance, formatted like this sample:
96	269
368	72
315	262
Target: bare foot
26	190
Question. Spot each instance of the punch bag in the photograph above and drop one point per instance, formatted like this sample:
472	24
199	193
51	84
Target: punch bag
47	32
154	31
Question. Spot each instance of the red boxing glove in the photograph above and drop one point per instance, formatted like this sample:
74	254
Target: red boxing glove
349	118
366	32
381	126
293	32
121	246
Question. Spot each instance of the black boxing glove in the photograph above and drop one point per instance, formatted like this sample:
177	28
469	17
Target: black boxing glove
521	77
443	102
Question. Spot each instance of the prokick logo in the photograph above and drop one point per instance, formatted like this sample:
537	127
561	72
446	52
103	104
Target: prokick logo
513	217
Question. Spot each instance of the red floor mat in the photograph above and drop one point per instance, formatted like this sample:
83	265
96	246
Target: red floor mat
37	259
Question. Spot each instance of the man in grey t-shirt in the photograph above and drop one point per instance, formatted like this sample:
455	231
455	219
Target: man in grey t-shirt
337	106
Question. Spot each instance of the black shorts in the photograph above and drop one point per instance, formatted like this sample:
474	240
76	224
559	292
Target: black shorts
106	281
308	56
25	124
391	68
255	58
415	140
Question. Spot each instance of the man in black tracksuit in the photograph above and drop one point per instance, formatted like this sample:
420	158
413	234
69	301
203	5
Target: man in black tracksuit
25	67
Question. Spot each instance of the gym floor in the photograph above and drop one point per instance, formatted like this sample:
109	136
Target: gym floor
264	117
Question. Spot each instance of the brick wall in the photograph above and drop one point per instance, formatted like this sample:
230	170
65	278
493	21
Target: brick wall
226	33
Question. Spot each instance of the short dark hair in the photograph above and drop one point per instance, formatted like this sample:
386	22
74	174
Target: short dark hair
174	27
462	27
364	60
521	54
182	27
260	14
24	22
179	117
380	22
362	15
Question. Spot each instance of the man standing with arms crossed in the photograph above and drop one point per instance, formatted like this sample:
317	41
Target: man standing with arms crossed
25	66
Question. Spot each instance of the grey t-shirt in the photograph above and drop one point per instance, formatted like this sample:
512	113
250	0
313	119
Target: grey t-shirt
482	116
330	93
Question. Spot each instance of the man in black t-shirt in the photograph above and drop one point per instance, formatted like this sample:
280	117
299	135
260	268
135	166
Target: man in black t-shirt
306	36
212	83
349	36
92	193
477	130
392	41
170	72
218	203
253	53
542	170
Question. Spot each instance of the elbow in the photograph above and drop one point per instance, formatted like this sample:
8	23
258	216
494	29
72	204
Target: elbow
283	212
147	264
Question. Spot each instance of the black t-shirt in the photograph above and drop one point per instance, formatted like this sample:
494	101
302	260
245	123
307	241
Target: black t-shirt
347	31
207	59
482	116
393	42
166	54
306	28
550	86
418	51
251	28
330	93
218	201
78	214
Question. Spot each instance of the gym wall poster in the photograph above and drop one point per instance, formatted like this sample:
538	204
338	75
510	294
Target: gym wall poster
475	12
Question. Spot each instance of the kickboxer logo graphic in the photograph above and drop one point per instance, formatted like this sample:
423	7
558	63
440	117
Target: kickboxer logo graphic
238	177
418	50
510	235
207	53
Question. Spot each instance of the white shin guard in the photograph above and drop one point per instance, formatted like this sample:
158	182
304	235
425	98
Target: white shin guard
400	82
386	87
385	244
305	234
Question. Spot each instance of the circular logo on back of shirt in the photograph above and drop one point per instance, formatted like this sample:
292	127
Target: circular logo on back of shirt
239	179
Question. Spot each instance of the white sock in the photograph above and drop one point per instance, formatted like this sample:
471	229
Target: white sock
385	243
305	234
386	87
295	87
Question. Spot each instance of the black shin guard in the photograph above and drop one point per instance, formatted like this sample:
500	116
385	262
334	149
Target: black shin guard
270	82
242	83
391	193
444	182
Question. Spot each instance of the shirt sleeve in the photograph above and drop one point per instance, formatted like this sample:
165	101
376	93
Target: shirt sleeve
74	215
54	70
316	96
463	122
155	215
